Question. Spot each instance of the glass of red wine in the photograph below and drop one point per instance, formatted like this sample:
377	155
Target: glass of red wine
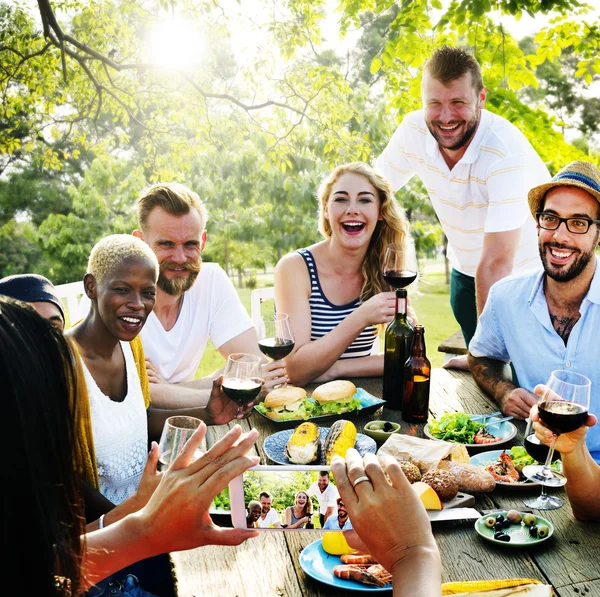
275	336
241	378
400	265
562	408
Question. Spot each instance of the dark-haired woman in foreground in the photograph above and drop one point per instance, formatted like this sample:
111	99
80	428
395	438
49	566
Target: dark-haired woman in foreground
42	401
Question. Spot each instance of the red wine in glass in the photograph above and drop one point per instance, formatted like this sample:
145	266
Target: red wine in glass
399	278
537	450
276	348
561	416
242	391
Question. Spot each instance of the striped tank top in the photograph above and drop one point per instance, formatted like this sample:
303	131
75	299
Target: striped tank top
325	315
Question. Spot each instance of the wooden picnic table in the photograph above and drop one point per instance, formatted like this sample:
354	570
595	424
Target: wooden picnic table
268	565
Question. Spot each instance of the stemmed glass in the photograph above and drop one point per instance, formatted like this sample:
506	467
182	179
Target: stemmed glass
400	265
562	408
241	378
275	336
175	434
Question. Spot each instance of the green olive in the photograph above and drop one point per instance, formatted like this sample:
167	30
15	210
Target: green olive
490	521
543	531
529	520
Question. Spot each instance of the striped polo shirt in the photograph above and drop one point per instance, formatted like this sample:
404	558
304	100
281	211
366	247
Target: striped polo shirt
324	315
486	191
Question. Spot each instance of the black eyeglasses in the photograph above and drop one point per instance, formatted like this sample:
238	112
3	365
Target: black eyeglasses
574	225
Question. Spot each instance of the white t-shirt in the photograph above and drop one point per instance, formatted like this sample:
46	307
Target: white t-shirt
326	498
486	191
120	431
211	309
270	519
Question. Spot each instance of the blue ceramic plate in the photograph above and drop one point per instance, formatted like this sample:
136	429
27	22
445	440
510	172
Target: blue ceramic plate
275	445
506	431
491	456
368	402
318	564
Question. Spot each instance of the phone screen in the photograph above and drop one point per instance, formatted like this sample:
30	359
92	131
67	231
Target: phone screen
289	498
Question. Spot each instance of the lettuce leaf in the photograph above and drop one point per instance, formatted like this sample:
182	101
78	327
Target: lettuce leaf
454	427
336	408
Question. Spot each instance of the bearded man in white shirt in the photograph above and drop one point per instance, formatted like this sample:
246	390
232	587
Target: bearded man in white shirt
477	168
195	302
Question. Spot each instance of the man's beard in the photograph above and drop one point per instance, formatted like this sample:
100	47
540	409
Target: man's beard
178	285
467	136
562	274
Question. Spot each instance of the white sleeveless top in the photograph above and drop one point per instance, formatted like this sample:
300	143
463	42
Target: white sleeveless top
120	431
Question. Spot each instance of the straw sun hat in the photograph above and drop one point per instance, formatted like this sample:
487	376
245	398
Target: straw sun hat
577	174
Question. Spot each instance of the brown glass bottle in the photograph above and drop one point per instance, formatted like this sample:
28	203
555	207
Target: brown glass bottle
398	336
417	373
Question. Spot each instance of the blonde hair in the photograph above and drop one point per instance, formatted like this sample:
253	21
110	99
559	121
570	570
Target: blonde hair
176	199
111	251
392	228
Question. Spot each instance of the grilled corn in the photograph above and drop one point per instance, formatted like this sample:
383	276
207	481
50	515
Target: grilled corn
303	446
341	436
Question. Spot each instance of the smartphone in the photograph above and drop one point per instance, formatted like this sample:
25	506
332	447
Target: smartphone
287	498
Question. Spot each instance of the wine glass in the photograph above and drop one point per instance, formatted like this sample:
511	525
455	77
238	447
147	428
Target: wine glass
241	378
275	336
562	408
175	434
400	265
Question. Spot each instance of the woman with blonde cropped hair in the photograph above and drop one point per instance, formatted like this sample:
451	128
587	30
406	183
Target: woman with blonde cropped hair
334	292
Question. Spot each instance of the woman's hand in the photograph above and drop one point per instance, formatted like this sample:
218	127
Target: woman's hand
566	442
176	516
273	374
380	308
386	514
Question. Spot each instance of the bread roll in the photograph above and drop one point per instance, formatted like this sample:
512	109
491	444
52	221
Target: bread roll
339	390
284	396
470	477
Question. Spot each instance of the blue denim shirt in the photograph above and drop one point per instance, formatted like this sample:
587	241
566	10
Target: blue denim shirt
515	327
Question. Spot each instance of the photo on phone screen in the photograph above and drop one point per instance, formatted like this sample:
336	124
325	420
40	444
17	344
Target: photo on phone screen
288	498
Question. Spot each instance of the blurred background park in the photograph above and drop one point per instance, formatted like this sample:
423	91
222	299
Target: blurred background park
251	103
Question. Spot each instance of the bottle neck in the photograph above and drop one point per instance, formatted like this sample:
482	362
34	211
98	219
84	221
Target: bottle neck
418	348
400	304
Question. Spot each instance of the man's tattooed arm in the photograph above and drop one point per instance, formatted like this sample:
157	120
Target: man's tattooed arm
494	378
491	376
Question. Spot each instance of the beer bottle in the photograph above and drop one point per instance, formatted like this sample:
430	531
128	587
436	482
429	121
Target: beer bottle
417	371
398	336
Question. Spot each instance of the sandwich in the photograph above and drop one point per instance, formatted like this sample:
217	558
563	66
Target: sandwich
336	397
285	404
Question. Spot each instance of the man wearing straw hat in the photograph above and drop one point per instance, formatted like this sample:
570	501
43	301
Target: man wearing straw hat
542	321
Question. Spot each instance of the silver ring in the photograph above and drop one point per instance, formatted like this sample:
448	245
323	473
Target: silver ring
360	480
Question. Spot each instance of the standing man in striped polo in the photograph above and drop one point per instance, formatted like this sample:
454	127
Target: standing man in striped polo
477	168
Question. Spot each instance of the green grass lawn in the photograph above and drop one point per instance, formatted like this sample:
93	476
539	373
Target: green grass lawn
431	303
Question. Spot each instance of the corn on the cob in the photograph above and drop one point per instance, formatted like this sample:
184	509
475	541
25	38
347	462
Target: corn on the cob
341	436
303	446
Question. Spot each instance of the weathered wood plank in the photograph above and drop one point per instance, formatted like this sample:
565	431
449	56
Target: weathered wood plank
455	344
589	588
260	567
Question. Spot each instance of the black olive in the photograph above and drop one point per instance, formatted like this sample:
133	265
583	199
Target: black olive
500	517
387	427
533	531
498	526
506	523
505	538
498	534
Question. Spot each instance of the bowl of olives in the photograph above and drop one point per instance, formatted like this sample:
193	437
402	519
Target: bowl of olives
381	430
514	528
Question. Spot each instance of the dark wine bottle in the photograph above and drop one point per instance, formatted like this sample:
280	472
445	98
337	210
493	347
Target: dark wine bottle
417	373
398	336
